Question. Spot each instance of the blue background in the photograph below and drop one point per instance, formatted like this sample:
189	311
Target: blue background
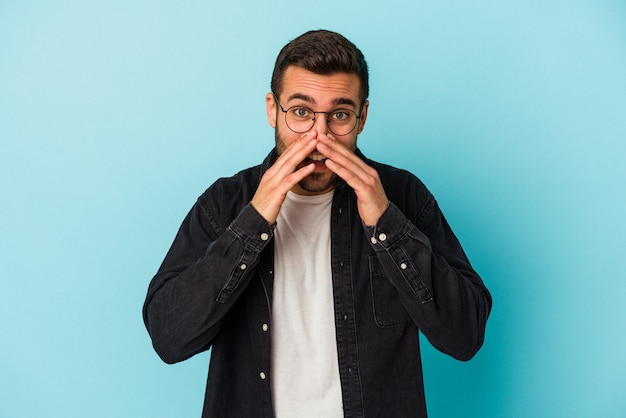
116	115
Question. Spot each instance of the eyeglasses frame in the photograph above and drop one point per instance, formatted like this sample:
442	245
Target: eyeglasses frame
358	117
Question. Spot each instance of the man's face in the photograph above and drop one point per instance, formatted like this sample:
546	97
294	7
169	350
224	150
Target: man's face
320	93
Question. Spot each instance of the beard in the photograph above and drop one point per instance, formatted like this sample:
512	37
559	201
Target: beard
315	182
318	182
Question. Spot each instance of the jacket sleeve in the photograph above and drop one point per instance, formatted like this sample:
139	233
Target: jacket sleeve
201	278
436	284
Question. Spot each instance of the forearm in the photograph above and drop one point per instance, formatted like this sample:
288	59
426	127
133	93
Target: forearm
200	280
436	284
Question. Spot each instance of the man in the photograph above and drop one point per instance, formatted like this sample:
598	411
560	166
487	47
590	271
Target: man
310	275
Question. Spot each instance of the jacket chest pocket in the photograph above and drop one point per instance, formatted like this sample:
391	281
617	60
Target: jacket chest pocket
386	305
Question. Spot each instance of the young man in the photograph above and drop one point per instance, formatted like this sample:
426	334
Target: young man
310	275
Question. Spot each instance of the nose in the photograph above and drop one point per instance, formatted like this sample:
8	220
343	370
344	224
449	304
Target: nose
320	123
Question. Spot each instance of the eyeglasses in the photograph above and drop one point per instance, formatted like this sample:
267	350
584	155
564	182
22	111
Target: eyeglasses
300	119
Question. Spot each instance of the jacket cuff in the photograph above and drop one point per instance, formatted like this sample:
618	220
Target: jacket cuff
252	228
391	228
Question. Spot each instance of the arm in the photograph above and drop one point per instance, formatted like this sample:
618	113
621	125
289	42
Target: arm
436	284
210	264
200	279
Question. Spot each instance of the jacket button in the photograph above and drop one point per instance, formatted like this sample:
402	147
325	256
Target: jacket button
265	327
403	266
373	240
243	266
262	376
382	237
265	236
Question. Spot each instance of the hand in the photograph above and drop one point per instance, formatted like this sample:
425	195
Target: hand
282	176
371	198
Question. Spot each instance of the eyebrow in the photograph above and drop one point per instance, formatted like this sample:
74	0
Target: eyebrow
311	100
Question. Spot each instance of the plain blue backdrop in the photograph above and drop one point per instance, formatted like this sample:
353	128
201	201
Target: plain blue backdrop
115	115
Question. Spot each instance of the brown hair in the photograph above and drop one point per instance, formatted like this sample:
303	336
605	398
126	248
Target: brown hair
322	52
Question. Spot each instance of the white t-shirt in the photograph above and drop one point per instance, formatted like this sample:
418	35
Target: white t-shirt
305	368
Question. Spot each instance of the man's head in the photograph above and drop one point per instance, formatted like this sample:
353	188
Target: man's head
319	90
322	52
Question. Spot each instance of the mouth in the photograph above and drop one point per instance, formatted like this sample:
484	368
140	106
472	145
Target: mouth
317	157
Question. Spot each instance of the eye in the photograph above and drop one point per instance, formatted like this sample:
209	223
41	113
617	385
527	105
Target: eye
301	112
341	115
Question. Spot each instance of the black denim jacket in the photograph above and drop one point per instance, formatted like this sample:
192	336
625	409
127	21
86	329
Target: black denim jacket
408	273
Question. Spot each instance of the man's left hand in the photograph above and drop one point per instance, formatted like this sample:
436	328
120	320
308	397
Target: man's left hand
371	198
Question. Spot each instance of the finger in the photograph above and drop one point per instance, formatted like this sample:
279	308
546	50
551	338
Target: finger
350	173
347	165
337	150
282	176
272	191
343	161
294	154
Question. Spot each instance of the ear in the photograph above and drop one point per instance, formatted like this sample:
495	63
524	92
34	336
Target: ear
363	118
270	107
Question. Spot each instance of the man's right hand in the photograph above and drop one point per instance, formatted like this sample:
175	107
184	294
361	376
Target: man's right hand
283	176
